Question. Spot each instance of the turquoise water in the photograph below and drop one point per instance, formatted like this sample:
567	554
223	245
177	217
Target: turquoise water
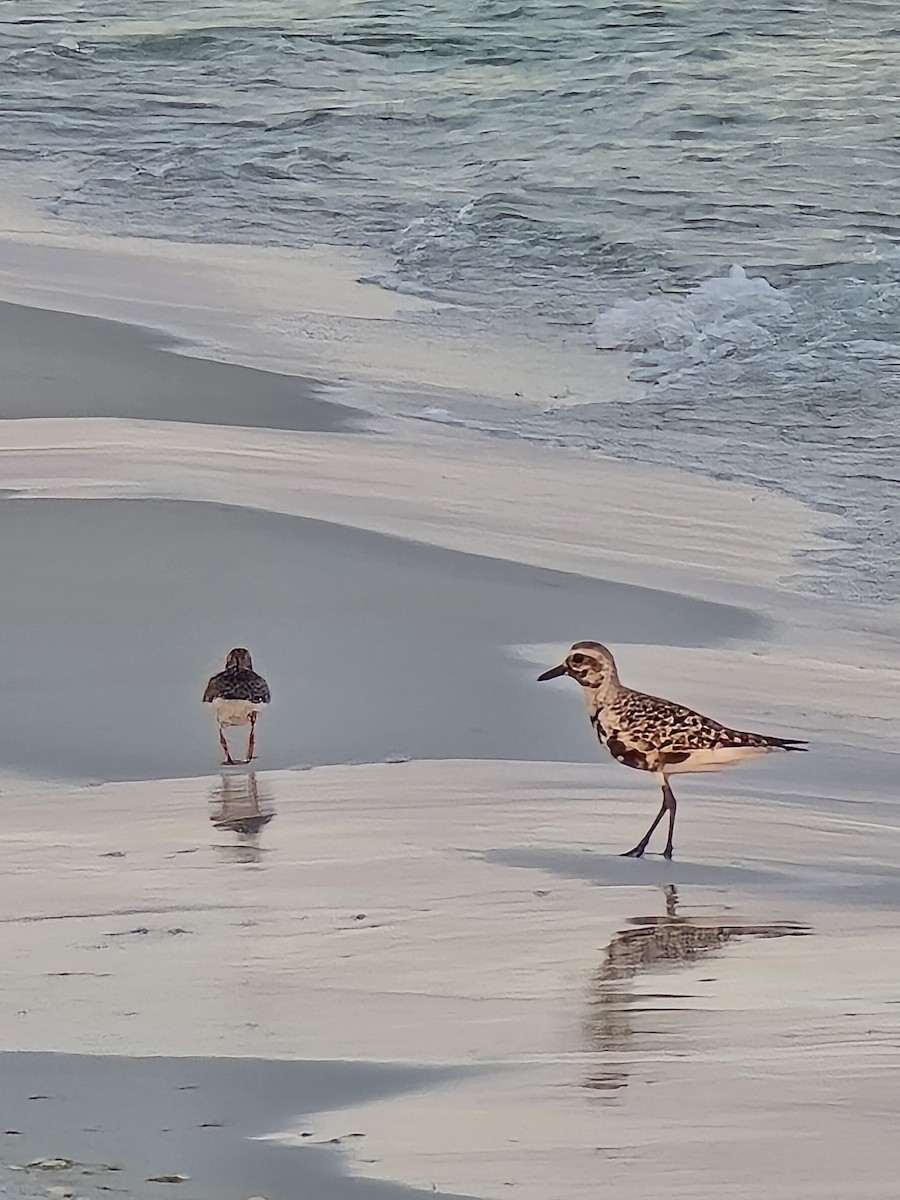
602	165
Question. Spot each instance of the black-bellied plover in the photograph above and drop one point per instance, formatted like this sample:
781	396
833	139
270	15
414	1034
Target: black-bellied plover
236	695
651	734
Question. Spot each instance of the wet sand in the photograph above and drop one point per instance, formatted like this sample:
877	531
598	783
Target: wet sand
723	1025
61	365
301	311
116	612
109	1123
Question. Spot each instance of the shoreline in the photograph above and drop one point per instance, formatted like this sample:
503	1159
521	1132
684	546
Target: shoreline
305	313
317	311
294	312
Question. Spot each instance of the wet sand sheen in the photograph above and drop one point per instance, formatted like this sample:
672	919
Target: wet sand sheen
372	919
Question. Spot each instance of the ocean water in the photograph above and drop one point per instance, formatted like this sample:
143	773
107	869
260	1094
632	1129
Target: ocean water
710	185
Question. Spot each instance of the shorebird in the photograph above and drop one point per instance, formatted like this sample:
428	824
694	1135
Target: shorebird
236	695
650	734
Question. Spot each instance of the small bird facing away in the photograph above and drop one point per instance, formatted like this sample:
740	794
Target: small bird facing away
651	734
236	695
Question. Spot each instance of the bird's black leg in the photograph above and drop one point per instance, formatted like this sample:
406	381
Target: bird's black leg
229	761
251	744
669	802
639	849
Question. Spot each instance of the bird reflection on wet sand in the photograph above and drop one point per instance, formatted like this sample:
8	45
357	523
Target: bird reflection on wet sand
240	805
654	943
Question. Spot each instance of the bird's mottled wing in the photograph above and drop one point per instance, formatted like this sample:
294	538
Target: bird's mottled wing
237	683
669	727
259	689
215	686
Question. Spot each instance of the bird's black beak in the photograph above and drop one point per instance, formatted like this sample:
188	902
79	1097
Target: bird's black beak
554	673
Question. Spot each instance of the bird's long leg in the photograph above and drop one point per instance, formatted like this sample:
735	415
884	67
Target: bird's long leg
639	849
229	761
669	802
251	744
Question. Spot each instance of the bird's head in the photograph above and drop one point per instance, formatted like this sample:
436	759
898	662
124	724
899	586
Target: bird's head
240	659
590	664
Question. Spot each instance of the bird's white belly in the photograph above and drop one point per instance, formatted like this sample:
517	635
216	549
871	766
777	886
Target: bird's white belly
718	759
234	712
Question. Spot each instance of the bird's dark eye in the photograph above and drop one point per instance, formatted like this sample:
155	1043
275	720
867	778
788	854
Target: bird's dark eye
578	658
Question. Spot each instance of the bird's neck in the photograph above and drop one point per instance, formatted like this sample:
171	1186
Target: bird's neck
598	698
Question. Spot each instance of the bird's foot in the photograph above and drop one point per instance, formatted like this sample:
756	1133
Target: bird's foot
667	853
637	852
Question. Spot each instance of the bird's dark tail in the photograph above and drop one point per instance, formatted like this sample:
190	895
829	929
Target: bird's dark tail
787	743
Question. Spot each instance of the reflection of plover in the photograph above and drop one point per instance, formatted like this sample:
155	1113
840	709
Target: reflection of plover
238	806
654	944
237	694
656	735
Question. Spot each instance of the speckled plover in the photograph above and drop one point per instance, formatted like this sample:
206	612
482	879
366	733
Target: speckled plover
651	734
236	695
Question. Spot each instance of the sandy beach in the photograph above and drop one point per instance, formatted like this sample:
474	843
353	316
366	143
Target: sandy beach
402	956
